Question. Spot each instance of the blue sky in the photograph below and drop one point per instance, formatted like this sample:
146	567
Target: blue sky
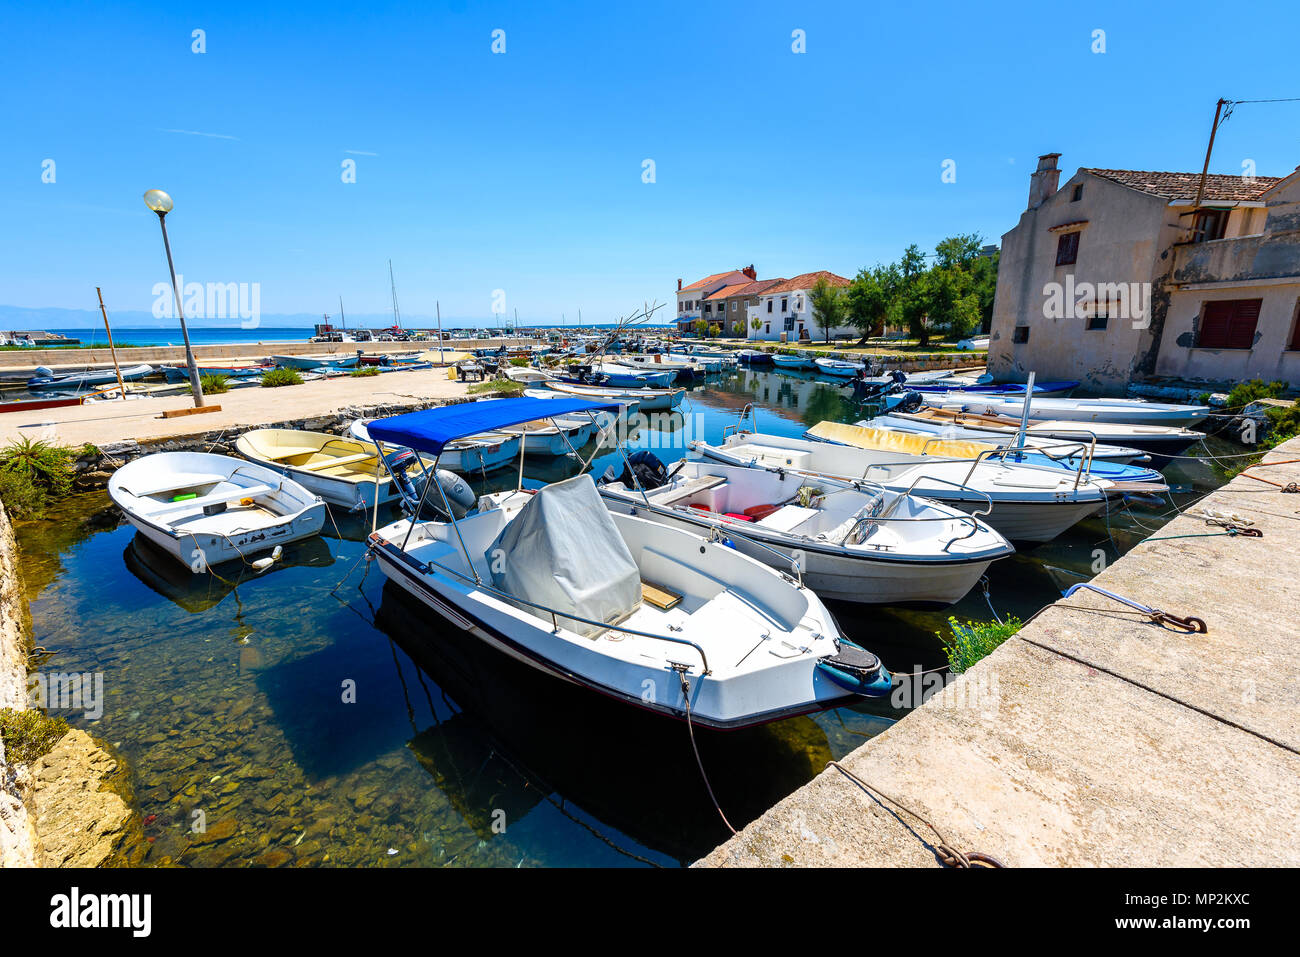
522	171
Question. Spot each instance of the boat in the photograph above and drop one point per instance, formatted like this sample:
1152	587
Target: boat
627	407
316	363
1025	503
550	437
754	357
651	400
793	362
174	373
683	367
47	379
1071	456
655	617
204	509
616	376
974	343
1160	442
854	542
947	386
1118	454
1111	411
340	469
478	455
838	368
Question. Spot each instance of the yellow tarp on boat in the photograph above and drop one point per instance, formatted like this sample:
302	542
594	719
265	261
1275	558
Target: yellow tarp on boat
885	440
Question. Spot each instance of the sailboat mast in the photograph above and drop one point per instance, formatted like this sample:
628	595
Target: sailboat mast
341	316
397	315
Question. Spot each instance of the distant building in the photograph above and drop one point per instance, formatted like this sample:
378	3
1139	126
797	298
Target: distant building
786	307
693	300
1120	276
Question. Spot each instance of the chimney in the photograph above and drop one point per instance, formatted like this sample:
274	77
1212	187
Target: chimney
749	271
1042	182
679	285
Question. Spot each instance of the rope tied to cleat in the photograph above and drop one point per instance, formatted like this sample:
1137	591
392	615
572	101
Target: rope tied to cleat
1190	624
1292	487
948	855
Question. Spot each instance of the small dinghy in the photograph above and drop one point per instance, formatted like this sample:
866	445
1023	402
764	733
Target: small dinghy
793	362
204	509
754	357
1026	503
657	618
838	368
48	379
475	456
339	469
853	541
317	363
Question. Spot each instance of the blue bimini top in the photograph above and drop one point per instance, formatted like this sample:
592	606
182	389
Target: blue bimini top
429	430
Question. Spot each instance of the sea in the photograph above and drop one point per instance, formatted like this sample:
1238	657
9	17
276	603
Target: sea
171	335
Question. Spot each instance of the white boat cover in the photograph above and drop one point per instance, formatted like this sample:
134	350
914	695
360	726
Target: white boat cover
563	551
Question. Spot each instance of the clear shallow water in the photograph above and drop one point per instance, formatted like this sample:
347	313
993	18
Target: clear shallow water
226	696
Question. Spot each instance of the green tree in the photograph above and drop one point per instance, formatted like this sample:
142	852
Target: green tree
714	330
828	306
701	327
871	299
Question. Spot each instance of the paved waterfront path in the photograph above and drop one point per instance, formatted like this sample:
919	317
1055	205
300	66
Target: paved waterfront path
1109	741
104	423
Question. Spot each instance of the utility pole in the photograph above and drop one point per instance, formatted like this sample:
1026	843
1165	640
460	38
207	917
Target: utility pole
1205	170
111	348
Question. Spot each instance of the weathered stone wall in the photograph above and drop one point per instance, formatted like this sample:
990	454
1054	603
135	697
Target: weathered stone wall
17	841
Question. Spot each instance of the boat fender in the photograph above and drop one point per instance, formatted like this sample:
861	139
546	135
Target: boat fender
262	564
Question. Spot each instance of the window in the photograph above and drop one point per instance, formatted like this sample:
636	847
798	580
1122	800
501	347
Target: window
1228	324
769	305
767	328
789	324
735	305
1020	335
783	302
1067	249
1077	194
1294	345
1209	224
1097	323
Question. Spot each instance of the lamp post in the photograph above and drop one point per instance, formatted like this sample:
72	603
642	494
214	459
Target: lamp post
161	204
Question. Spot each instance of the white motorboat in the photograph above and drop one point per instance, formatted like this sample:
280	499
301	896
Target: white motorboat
793	362
1110	411
946	432
204	509
658	618
627	407
47	379
651	400
1160	442
1026	503
477	455
853	541
838	368
550	437
682	365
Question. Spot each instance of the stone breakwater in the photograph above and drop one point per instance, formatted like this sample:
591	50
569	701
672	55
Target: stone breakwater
17	837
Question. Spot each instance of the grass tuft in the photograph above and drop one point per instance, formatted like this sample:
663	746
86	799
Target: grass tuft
29	735
34	472
275	378
974	640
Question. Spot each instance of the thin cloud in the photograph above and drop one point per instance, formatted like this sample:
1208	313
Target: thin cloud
360	153
215	136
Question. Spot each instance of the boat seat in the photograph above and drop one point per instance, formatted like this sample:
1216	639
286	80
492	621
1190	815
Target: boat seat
177	481
212	498
784	519
338	460
673	494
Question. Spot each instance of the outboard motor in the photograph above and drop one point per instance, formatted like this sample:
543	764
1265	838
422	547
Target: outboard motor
459	495
647	468
899	376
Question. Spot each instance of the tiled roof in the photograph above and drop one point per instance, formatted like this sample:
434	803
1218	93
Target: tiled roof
700	283
1218	187
744	289
806	281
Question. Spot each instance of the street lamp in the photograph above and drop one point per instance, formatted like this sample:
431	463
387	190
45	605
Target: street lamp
161	204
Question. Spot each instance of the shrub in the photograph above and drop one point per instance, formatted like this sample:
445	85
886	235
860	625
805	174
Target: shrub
214	383
29	734
364	371
275	378
974	640
33	471
1244	393
503	386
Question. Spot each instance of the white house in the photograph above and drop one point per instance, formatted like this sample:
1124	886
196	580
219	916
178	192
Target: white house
787	308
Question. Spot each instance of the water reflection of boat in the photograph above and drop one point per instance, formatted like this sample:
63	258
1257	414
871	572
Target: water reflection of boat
586	755
198	593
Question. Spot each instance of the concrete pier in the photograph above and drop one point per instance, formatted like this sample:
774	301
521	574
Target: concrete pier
1094	737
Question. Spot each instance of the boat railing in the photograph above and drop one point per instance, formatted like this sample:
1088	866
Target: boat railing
1085	450
715	535
746	413
556	614
972	518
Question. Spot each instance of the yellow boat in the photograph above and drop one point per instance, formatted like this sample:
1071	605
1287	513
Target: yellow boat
884	440
343	471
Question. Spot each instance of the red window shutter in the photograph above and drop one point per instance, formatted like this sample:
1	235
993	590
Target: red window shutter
1229	324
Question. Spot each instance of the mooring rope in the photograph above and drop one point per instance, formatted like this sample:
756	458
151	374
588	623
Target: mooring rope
690	727
947	854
